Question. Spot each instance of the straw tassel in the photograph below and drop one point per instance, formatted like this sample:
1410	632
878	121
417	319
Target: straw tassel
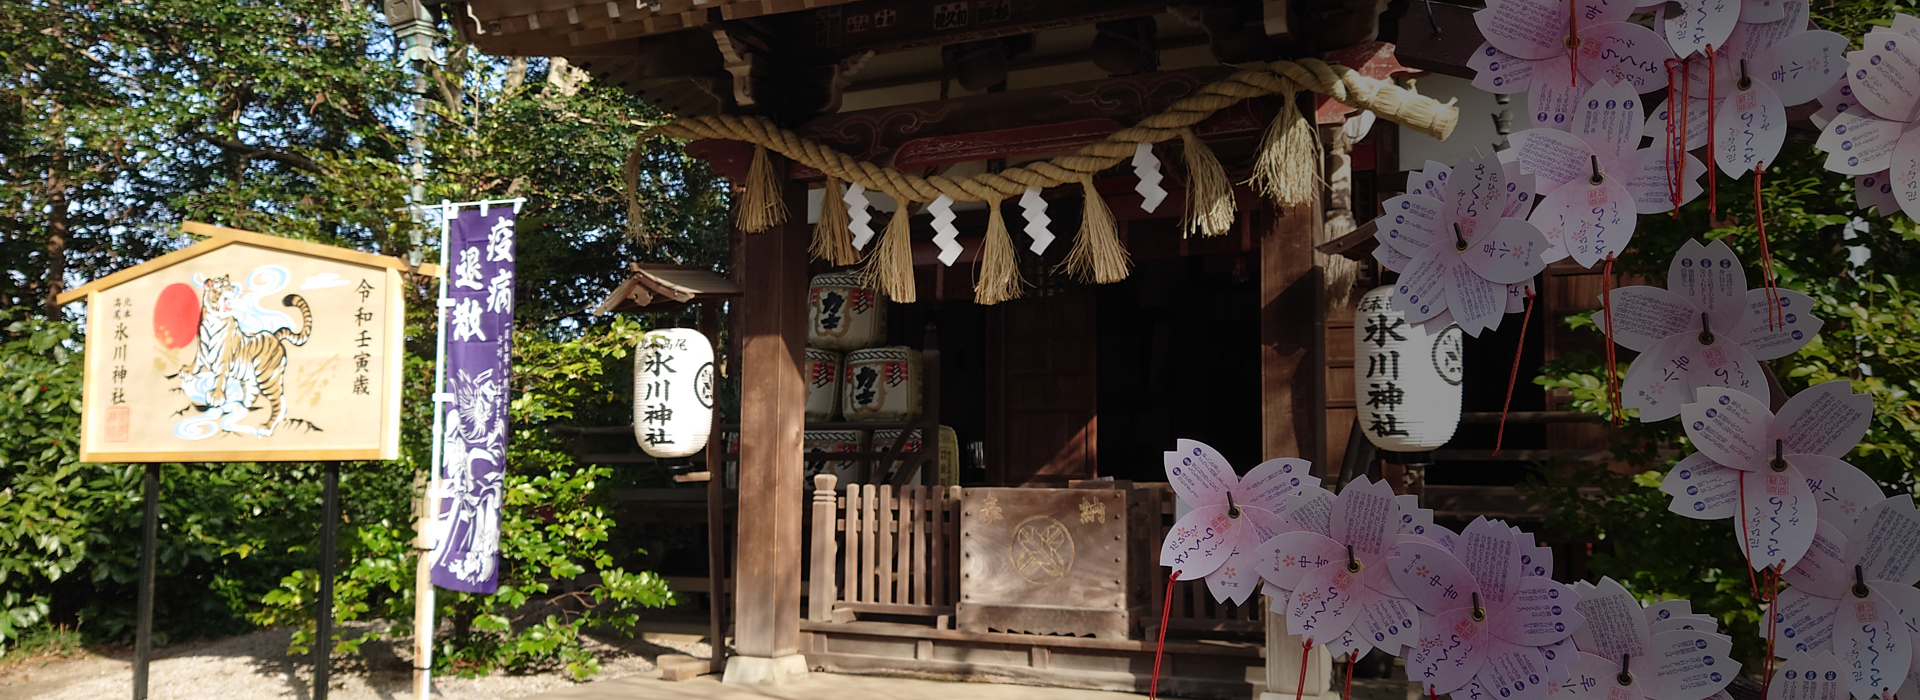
1288	167
1209	192
1097	255
999	267
890	269
761	207
832	239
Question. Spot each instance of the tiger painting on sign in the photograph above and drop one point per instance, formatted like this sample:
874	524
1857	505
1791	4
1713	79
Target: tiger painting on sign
241	354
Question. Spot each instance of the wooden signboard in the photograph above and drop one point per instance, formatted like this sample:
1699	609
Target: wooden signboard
244	347
1045	561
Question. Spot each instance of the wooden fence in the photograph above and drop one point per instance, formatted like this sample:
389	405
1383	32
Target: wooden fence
895	551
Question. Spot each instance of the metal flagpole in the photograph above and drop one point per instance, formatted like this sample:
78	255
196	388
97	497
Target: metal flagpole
423	593
415	27
423	598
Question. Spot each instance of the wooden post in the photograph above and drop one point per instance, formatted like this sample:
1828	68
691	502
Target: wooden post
1291	356
716	518
822	592
1293	402
323	613
772	400
1284	667
143	605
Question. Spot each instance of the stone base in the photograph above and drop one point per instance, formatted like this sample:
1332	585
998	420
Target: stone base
1270	695
761	670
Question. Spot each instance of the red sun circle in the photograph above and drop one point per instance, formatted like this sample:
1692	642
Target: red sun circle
176	316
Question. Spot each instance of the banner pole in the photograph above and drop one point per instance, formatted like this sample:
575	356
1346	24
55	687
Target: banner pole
423	595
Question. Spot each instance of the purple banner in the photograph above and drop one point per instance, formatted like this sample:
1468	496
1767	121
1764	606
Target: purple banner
478	327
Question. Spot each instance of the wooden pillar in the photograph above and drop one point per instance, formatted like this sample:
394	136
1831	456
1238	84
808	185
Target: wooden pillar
1292	404
772	398
1292	350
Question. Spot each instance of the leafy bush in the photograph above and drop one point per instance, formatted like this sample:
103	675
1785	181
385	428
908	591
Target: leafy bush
557	577
230	533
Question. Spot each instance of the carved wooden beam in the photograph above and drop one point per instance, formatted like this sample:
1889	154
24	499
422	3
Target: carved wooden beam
824	34
745	58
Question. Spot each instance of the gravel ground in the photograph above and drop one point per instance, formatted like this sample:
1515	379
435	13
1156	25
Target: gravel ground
255	667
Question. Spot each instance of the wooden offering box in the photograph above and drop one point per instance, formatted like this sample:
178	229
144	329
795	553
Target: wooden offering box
1049	561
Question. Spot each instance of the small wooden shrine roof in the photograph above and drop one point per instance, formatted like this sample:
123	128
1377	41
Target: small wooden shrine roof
654	287
218	237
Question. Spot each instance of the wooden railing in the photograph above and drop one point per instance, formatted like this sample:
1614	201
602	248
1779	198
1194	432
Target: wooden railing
891	550
895	551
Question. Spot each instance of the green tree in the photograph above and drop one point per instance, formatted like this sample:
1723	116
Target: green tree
288	117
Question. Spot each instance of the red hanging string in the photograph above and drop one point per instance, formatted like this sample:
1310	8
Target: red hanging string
1346	691
1513	376
1616	413
1766	253
1301	689
1573	42
1153	686
1683	123
1676	160
1771	600
1713	196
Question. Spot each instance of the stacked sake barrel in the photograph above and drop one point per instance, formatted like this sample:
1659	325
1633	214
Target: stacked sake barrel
851	376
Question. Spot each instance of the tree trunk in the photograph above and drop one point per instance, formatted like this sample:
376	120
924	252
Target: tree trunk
56	234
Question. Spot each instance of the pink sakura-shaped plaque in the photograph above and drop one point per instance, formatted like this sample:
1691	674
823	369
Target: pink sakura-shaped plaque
1610	50
1337	591
1853	594
1428	182
1592	176
1692	26
1808	676
1229	516
1462	248
1777	512
1868	120
1704	329
1670	655
1485	623
1904	163
1844	588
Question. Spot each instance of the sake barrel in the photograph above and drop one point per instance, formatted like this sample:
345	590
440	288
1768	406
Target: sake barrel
823	384
829	441
946	469
673	392
1406	379
881	384
843	314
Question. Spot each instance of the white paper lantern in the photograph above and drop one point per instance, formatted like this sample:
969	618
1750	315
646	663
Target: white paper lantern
673	392
1406	379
